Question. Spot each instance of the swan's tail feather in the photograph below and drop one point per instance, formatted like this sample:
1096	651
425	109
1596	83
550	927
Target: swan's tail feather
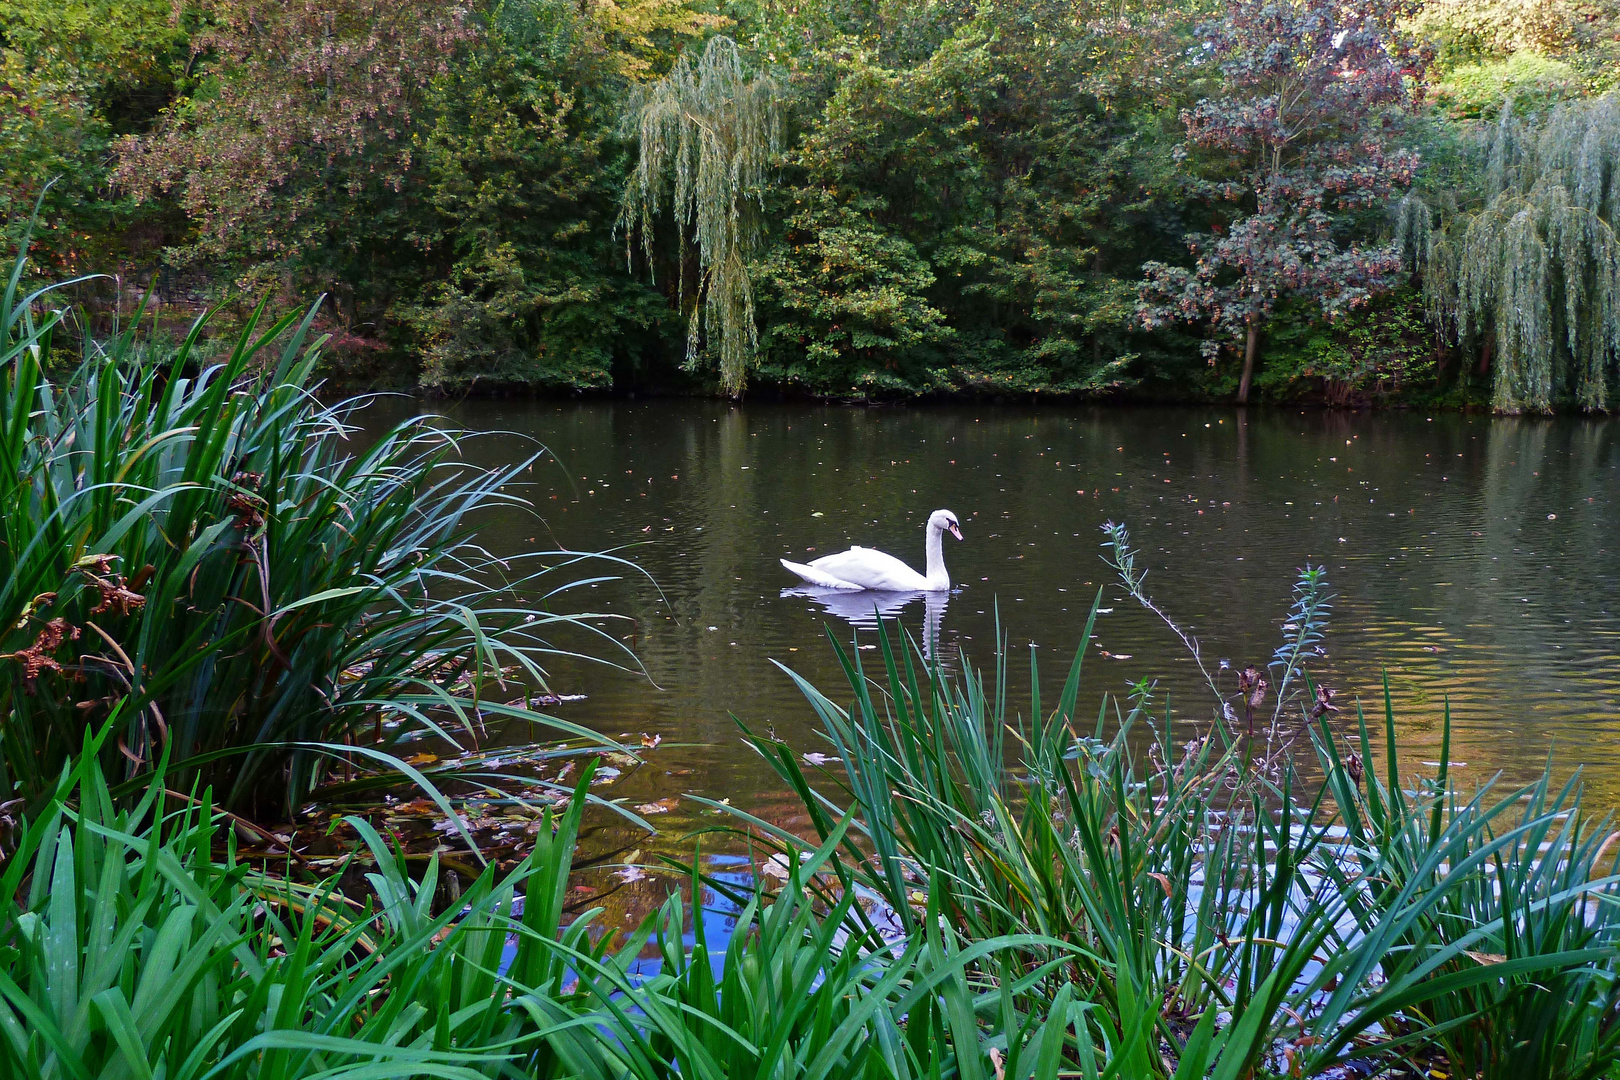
816	577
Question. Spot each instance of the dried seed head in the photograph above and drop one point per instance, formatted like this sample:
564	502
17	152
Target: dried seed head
36	659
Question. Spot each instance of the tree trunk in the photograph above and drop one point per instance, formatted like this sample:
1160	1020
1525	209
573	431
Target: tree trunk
1250	348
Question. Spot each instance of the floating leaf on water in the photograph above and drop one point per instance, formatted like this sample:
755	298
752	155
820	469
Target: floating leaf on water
650	742
422	759
448	826
662	806
605	775
630	871
816	758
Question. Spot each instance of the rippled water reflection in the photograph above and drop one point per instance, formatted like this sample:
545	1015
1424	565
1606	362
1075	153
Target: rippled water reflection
1474	558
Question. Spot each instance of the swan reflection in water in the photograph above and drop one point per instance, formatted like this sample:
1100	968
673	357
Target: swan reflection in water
863	609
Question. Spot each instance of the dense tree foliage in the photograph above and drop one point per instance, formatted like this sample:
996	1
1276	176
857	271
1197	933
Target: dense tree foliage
520	279
972	213
293	156
73	78
859	198
1300	141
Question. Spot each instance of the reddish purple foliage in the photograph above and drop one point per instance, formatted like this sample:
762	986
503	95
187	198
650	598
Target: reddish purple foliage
299	95
1302	136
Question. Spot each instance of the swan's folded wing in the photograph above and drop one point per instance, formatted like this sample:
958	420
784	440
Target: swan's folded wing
818	577
868	568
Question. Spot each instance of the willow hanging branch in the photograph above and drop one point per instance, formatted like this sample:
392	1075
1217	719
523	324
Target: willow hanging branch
1535	270
712	130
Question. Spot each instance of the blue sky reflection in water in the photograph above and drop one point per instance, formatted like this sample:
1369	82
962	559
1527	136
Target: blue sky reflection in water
1472	556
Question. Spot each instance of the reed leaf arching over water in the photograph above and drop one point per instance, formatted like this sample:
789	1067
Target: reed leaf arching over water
710	131
1534	272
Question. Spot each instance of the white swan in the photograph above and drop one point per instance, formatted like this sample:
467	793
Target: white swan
865	568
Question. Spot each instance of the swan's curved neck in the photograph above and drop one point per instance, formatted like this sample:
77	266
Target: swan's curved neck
937	577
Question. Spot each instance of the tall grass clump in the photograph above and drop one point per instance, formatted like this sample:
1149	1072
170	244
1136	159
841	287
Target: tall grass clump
261	588
1217	903
138	945
134	943
1518	879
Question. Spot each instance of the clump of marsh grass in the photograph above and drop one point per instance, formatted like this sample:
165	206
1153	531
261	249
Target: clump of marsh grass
1214	908
133	943
264	595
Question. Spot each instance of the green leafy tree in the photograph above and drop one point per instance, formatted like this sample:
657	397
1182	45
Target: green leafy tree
74	75
850	299
525	283
1377	352
1004	151
643	37
1480	32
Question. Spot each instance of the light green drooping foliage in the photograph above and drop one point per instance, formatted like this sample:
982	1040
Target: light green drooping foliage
1534	272
715	130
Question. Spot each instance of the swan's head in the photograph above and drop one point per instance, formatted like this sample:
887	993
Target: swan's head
944	521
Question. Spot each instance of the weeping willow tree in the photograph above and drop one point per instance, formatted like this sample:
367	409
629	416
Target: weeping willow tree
707	135
1533	274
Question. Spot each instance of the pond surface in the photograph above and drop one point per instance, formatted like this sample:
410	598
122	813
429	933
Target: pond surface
1476	560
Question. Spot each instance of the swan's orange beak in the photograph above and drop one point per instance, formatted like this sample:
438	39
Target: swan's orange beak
955	531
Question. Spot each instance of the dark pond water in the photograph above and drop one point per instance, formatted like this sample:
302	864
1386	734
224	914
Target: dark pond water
1475	560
